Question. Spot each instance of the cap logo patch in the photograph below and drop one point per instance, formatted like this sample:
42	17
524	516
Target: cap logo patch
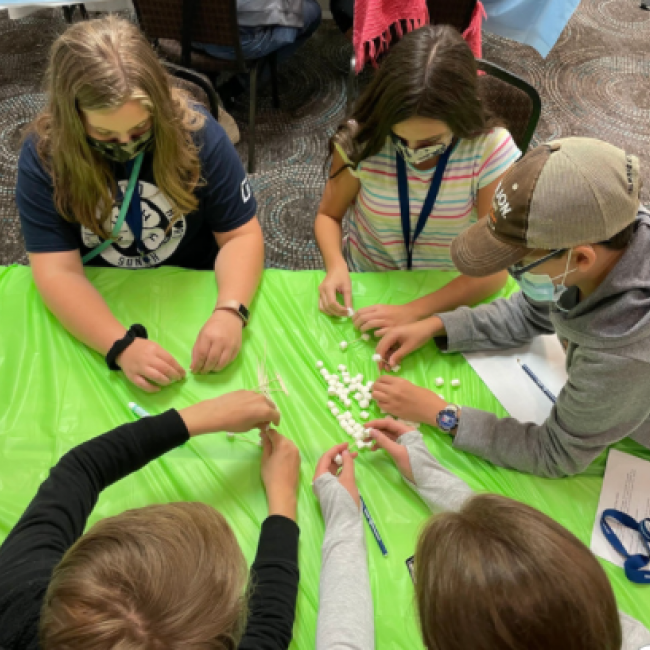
502	201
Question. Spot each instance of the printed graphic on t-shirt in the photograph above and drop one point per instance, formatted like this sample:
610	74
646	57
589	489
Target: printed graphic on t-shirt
159	240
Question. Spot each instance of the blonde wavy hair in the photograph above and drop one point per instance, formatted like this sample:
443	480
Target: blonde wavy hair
100	65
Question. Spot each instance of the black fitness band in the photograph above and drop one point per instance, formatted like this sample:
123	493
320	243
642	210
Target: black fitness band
135	331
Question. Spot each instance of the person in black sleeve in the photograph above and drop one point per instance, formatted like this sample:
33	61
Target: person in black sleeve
162	576
122	170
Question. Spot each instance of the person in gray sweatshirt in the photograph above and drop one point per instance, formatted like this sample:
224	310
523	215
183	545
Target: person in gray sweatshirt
490	572
567	224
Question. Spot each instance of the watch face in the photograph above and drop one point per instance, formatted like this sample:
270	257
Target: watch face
447	419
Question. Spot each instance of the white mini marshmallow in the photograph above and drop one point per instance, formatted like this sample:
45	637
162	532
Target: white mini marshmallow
340	417
350	312
358	396
455	383
396	368
347	379
338	459
324	372
364	403
440	381
343	345
370	384
231	436
376	357
342	368
347	402
365	336
319	364
335	411
364	415
359	377
331	391
330	404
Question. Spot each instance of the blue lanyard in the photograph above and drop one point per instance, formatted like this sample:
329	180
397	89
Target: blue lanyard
634	564
427	206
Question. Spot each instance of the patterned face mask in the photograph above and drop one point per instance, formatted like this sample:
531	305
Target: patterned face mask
122	152
418	156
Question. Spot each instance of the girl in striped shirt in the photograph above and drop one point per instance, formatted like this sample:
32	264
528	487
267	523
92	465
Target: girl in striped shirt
420	112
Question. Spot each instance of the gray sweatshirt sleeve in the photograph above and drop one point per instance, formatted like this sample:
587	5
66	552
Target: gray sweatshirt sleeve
345	613
604	401
437	486
504	323
635	636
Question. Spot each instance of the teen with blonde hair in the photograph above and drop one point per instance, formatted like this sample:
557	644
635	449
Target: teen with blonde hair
490	573
417	162
165	576
122	170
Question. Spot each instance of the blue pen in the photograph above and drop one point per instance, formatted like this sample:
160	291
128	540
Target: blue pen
537	380
138	410
373	528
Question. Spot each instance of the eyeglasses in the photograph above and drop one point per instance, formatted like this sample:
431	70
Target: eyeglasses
517	270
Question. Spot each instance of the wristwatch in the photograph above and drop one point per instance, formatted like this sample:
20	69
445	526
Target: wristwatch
236	308
447	419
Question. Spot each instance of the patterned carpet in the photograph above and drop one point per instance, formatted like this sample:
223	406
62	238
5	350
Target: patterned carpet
595	82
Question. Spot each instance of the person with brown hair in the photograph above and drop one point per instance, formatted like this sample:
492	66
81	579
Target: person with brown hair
165	576
490	573
121	169
417	162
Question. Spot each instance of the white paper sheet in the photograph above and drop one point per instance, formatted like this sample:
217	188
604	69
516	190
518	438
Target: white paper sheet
516	391
626	487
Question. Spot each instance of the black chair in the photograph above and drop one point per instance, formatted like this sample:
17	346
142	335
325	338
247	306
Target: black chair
457	13
174	24
512	99
199	86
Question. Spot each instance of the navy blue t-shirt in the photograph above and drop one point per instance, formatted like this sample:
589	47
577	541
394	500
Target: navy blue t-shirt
226	202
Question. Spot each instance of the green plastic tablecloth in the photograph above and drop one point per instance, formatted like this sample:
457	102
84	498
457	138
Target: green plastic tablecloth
56	393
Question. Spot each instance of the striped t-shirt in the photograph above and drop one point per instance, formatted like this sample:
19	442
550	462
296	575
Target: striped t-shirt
375	241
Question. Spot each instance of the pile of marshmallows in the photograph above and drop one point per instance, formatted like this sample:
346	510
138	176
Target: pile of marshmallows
345	388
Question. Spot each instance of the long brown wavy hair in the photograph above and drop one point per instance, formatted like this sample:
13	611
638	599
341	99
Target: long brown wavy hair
100	65
430	73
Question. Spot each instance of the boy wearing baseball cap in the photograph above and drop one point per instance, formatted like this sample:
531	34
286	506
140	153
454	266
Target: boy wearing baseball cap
567	224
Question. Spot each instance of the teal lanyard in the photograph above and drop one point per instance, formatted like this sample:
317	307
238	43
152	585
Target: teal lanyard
124	208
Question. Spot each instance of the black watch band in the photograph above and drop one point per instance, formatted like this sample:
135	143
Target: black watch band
135	332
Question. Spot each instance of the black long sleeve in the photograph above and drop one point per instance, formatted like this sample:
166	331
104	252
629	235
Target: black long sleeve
57	515
274	583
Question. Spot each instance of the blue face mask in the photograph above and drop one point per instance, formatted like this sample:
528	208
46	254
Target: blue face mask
540	287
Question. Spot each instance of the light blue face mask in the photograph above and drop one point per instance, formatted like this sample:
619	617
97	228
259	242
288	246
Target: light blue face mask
540	287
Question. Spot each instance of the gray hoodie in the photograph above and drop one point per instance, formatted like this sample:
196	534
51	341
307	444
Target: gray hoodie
607	395
265	13
345	614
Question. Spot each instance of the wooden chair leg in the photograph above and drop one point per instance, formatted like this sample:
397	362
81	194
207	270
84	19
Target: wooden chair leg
84	12
273	62
67	13
251	117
